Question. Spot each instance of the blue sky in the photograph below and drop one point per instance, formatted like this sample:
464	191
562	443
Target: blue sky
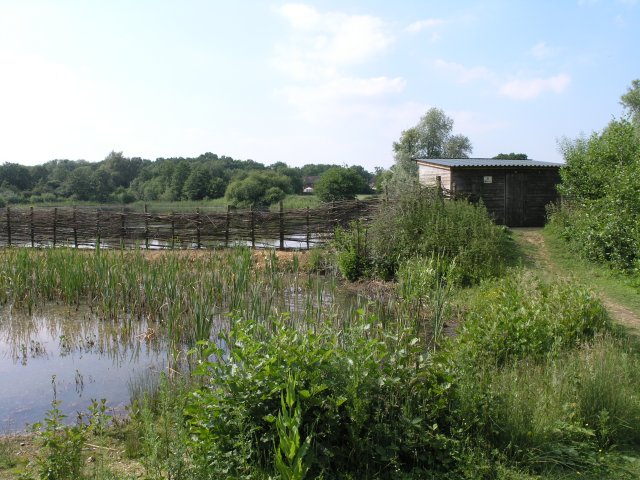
310	82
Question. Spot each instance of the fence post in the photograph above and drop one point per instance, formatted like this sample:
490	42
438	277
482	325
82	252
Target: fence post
281	218
226	226
173	231
122	228
253	228
75	228
31	228
146	227
308	229
55	225
9	226
198	228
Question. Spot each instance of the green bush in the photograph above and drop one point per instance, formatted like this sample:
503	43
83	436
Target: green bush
351	251
601	184
519	316
371	408
421	224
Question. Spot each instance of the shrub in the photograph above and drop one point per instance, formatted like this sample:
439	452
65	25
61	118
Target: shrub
371	407
520	316
351	251
421	224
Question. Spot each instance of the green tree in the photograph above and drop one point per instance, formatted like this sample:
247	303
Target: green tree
79	183
432	138
511	156
258	188
197	184
339	183
631	100
180	174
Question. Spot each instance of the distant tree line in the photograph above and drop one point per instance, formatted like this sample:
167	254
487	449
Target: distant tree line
121	179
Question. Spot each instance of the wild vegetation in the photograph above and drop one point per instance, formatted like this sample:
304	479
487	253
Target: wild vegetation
283	379
600	212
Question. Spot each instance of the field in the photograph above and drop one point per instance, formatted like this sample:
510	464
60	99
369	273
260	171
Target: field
277	367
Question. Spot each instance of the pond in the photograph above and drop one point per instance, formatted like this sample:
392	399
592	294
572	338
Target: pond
75	356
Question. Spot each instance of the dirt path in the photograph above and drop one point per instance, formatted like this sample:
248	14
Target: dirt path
538	254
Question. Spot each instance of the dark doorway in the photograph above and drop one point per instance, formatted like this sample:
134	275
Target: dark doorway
515	194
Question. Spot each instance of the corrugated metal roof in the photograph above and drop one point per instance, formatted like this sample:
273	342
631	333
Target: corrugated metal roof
486	162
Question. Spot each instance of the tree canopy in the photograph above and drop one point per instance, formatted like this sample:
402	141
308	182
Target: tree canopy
631	100
511	156
432	138
339	183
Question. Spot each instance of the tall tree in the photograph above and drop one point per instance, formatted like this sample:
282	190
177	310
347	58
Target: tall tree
432	138
631	100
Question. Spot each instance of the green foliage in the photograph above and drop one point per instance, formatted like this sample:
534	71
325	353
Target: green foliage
631	101
520	317
290	453
339	183
428	281
511	156
258	189
419	223
371	403
562	413
601	180
432	138
351	251
60	455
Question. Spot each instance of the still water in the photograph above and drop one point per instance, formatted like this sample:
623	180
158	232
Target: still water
85	357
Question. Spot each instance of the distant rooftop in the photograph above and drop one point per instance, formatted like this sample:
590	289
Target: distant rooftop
485	162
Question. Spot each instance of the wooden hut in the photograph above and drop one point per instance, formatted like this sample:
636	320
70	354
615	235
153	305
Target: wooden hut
515	192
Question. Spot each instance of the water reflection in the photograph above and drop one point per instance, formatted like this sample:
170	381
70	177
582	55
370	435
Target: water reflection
88	357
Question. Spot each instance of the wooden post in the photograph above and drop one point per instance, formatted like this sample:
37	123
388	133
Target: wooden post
197	228
55	225
9	226
122	228
253	228
31	228
357	209
226	226
308	230
173	231
281	219
75	228
146	227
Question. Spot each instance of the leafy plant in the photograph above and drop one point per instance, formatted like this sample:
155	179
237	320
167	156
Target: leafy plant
291	451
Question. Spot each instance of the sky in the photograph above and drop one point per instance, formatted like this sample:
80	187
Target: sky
312	82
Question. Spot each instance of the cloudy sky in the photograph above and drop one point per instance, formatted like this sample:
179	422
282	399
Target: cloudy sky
312	82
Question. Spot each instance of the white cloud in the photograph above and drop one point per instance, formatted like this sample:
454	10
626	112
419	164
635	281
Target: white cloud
464	74
531	88
330	96
420	25
323	43
541	51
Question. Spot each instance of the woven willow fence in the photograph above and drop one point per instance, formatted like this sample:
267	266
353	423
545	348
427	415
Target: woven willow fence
86	227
